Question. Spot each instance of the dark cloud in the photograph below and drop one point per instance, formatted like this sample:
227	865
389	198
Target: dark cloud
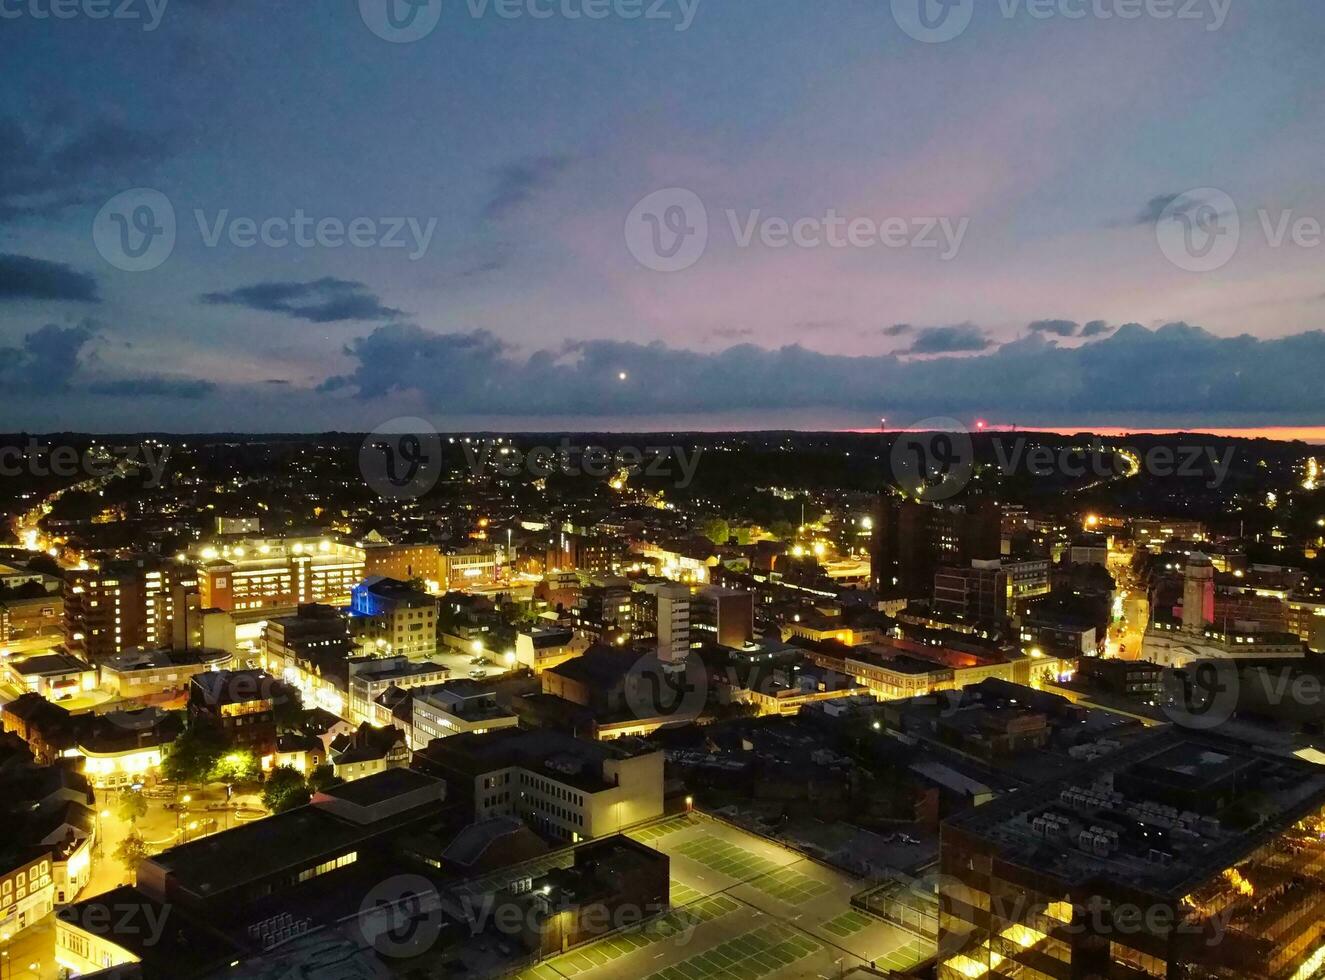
897	330
1177	372
324	300
1097	328
1056	328
48	358
1154	209
484	266
23	277
153	387
961	338
53	162
520	181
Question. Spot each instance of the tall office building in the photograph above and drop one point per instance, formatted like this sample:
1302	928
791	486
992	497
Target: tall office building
1198	593
673	622
978	593
125	604
913	540
724	615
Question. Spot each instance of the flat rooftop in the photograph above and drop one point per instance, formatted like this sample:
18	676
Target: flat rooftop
574	761
1154	814
51	664
293	839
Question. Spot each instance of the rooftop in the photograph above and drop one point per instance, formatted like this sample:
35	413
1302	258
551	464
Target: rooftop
51	664
1165	812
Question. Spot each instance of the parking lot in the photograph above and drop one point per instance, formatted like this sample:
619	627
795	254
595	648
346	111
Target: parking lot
744	908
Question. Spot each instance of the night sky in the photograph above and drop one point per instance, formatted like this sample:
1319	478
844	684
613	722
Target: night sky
1043	220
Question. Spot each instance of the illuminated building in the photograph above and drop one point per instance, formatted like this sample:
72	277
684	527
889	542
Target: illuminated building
32	617
279	572
27	888
470	566
371	677
1176	855
56	676
671	621
564	787
394	617
145	673
1198	594
241	705
586	553
311	650
539	649
124	604
455	708
1154	533
123	748
404	561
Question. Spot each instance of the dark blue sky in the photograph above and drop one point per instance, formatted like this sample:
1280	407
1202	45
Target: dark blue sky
954	224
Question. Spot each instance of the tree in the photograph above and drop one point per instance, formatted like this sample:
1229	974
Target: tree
131	851
288	709
131	807
235	766
323	777
782	530
285	790
193	755
716	530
